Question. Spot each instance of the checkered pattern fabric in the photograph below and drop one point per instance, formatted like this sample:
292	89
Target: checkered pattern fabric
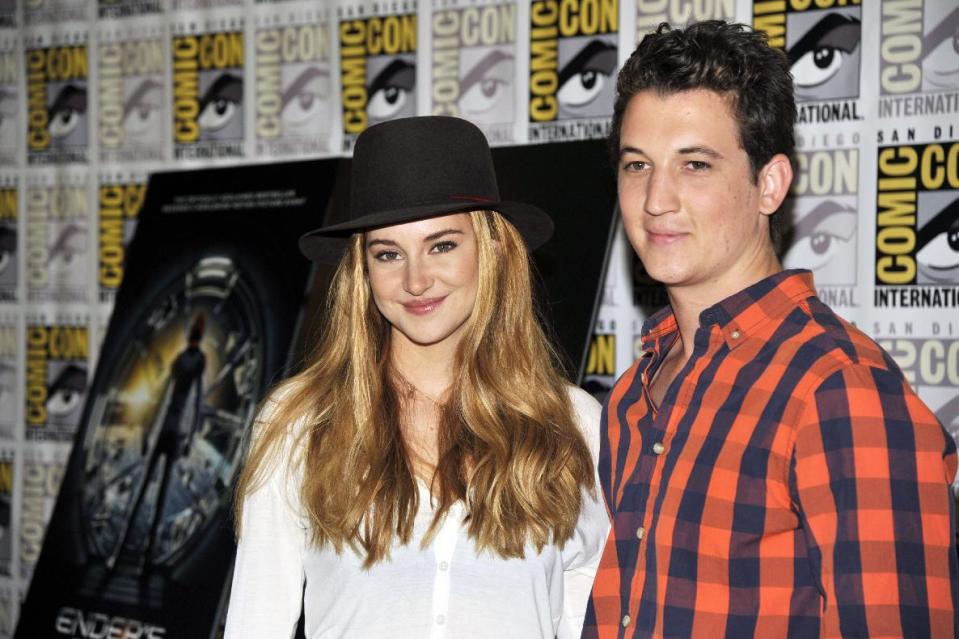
791	484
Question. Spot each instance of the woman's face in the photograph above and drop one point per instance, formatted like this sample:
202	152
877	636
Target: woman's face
423	276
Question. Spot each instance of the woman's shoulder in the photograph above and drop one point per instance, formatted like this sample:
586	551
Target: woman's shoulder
587	412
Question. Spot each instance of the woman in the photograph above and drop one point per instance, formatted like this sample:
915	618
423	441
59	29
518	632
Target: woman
428	475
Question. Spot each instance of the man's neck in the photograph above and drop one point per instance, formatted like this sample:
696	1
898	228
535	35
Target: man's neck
688	302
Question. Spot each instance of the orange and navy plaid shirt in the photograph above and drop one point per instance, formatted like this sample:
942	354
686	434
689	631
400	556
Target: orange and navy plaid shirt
790	484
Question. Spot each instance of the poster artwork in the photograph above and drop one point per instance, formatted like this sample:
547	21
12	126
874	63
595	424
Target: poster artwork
474	70
294	83
572	67
57	75
8	456
377	65
130	89
208	77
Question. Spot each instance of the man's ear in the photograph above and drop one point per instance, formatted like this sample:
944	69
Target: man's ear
774	181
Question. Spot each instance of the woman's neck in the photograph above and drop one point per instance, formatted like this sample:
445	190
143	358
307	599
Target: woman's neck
427	368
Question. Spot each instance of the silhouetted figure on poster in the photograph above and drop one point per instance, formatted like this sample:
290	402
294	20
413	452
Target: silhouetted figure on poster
179	417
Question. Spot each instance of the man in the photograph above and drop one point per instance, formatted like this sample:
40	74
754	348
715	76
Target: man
768	471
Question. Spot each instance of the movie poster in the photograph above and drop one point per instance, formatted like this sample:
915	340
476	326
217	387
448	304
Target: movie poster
10	389
295	81
131	93
9	256
573	57
679	13
112	9
474	70
208	76
57	74
57	364
141	538
120	197
10	72
57	239
40	479
48	11
377	64
8	456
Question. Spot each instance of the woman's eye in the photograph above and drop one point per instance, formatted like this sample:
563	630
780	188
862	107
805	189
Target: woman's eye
387	256
444	247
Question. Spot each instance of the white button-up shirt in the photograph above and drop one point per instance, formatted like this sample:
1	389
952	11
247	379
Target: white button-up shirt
445	590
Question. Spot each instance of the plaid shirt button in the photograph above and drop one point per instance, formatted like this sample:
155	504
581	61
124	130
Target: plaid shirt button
640	532
627	620
658	448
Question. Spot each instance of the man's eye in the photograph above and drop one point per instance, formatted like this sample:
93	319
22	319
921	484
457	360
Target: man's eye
698	165
635	165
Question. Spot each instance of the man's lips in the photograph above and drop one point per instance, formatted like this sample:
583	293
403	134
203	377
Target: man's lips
424	306
664	237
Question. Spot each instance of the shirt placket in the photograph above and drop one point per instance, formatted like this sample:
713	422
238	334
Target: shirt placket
444	545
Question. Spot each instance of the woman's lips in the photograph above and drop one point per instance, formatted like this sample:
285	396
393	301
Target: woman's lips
423	307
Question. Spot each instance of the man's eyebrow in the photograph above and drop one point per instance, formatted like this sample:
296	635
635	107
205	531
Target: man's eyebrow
704	150
629	149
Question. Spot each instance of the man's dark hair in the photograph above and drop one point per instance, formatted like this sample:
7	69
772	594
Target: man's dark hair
733	61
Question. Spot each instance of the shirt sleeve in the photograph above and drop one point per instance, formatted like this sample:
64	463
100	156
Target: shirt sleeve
870	475
268	576
582	553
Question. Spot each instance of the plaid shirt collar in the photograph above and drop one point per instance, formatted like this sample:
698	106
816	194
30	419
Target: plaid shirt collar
769	299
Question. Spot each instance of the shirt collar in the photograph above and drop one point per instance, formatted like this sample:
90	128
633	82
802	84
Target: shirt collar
742	313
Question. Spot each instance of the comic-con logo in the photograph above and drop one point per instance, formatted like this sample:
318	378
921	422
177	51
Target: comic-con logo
650	13
40	483
378	71
9	97
119	206
56	381
473	65
57	243
825	213
208	94
9	398
822	41
127	8
8	244
919	46
293	88
57	104
130	89
573	54
917	223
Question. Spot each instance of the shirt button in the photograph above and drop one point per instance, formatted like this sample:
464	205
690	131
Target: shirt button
640	532
734	334
658	448
440	620
627	620
444	565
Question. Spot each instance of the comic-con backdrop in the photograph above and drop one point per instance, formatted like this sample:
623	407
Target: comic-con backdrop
97	96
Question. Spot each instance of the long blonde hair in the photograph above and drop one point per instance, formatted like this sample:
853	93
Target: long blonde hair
509	446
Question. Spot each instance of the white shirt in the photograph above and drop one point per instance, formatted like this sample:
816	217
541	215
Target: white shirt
446	590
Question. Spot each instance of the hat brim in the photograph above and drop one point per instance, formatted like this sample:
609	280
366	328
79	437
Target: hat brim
326	245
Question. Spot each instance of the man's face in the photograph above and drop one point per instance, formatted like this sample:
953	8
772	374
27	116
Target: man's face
690	205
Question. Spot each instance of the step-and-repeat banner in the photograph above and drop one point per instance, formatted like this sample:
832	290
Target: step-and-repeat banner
96	96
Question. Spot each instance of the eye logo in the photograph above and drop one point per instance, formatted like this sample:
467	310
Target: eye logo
390	91
940	46
823	48
937	239
586	80
824	241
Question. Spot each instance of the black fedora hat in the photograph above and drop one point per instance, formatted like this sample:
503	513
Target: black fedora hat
414	168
